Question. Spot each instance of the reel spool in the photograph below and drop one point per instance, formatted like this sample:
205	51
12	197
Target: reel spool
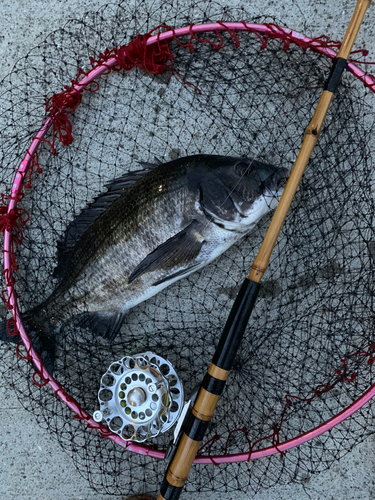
140	396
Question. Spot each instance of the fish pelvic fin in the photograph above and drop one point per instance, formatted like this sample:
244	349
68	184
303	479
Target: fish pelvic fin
179	251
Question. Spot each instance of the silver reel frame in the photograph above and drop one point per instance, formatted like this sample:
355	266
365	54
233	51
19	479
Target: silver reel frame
140	396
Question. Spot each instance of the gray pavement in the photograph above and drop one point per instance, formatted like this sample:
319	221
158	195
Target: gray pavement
32	466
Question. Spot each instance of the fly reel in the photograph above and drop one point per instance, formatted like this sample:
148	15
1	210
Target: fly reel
140	396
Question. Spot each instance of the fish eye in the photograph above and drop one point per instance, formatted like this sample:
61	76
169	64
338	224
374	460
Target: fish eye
242	168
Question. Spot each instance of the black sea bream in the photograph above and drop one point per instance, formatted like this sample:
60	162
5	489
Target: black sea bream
150	229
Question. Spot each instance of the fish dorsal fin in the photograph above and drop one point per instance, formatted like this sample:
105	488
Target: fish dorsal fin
177	251
90	214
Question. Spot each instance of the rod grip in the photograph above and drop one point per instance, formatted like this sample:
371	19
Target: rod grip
209	393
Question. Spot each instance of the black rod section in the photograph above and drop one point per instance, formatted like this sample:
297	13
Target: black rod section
224	355
336	72
236	325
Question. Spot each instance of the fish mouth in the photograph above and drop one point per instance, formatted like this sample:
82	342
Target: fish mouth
275	181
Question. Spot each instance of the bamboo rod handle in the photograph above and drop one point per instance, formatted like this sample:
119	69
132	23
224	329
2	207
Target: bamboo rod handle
311	136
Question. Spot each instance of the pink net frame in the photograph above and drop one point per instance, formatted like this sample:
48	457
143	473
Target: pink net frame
160	60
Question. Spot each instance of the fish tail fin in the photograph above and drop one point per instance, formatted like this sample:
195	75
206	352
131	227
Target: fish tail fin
43	334
4	333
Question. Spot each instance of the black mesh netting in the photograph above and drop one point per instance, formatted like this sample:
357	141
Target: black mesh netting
312	329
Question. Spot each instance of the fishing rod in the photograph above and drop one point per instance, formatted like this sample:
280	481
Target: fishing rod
195	424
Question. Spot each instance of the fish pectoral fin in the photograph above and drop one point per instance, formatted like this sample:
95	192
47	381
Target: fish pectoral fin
179	274
105	325
180	250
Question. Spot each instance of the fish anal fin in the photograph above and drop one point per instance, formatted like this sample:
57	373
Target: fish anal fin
180	250
105	325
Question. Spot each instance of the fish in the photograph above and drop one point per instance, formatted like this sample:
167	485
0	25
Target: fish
150	228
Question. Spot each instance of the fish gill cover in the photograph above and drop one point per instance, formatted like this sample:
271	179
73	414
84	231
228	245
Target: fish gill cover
309	348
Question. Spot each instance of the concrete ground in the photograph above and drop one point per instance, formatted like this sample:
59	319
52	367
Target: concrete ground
31	465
